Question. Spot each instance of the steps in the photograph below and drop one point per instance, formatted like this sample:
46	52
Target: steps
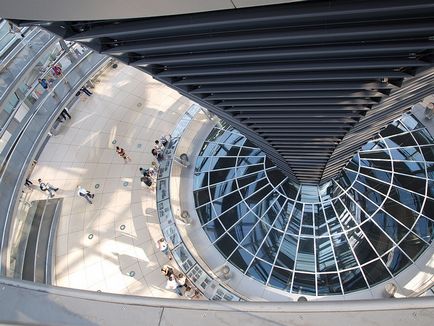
37	245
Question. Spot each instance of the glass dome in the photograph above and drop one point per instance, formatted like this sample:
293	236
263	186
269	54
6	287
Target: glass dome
350	234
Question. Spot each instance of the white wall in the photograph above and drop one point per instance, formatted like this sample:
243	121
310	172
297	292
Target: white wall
110	9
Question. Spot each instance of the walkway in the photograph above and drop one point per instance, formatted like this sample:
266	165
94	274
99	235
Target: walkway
110	245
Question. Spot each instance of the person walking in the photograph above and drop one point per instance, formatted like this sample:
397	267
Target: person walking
65	114
85	194
164	247
46	187
122	154
86	91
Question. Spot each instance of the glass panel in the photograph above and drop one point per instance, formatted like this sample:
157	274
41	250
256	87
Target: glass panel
223	204
375	272
254	239
424	228
224	162
414	184
200	180
320	222
294	224
353	280
396	261
428	152
304	284
409	199
226	245
400	213
343	252
241	259
270	246
377	237
259	270
400	141
307	224
275	210
389	225
214	229
305	257
280	278
325	258
328	284
205	213
243	227
413	246
362	249
287	252
201	197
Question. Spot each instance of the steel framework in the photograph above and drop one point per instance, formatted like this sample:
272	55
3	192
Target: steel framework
308	82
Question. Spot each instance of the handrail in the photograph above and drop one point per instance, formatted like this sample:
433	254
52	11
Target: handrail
19	47
19	157
32	89
25	68
32	114
366	305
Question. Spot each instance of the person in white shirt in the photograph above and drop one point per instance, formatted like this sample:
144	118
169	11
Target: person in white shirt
85	194
164	247
181	280
172	284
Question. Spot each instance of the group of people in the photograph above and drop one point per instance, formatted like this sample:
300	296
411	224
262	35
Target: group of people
179	283
48	80
159	146
51	190
149	175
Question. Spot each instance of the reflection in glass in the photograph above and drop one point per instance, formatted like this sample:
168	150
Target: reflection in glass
354	232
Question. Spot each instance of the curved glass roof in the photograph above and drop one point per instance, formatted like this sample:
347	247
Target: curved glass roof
350	234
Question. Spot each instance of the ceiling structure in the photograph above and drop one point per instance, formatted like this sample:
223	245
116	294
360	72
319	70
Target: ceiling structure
307	82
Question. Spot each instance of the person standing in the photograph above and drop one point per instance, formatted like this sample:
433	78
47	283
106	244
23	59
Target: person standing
429	111
172	284
166	270
158	155
181	279
85	194
164	247
28	183
43	82
158	146
191	293
86	91
14	29
46	187
57	70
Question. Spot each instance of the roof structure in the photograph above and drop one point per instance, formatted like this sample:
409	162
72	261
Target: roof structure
307	82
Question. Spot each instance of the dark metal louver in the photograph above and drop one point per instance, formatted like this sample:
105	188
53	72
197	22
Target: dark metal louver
308	82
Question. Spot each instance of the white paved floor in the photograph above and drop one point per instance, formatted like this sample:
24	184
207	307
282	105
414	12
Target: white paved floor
132	109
